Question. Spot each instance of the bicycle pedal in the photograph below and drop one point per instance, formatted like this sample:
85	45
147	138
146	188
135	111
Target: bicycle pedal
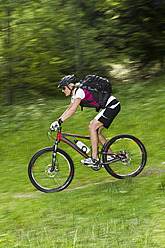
90	165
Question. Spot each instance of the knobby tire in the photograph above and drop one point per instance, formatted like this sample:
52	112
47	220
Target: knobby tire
39	170
137	156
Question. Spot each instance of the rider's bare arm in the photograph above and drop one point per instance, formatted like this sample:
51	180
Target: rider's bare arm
71	109
66	110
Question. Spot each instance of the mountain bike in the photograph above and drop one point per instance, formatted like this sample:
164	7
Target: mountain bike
51	169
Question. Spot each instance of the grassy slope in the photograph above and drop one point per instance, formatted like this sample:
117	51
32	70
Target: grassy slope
113	213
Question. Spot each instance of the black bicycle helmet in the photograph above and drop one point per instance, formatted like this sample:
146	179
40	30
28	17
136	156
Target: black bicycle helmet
65	81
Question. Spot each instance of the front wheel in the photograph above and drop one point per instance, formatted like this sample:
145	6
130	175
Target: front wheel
129	156
41	176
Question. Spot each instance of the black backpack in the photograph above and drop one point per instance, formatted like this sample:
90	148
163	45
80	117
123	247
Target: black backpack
99	87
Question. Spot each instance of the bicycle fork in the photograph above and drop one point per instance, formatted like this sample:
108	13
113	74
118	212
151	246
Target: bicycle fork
54	156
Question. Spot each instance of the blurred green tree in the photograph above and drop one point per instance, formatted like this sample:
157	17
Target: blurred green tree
142	25
43	40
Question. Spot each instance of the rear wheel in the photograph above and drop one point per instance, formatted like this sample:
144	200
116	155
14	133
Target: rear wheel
40	174
130	153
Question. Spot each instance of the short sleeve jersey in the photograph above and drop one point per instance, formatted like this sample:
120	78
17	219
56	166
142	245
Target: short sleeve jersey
78	94
84	95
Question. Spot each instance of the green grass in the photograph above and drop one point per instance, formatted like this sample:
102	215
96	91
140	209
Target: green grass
96	210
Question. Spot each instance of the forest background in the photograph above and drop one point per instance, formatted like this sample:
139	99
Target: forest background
43	40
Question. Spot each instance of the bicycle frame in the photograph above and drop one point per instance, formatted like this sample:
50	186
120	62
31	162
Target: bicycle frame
61	137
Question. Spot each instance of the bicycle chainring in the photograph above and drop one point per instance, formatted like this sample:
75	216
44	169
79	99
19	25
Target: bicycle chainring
96	167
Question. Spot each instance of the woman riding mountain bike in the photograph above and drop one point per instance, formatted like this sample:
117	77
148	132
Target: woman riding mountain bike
102	120
51	169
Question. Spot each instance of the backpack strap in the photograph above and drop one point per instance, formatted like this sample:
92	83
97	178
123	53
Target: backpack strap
80	102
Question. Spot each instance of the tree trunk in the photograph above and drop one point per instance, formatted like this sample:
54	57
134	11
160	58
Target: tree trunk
9	60
77	41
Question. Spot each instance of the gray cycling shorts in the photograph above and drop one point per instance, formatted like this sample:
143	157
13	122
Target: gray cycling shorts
107	115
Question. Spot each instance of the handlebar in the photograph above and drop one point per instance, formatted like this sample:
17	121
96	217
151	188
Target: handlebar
55	129
57	125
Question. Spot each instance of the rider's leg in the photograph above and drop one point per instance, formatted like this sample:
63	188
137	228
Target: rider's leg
102	139
104	118
94	125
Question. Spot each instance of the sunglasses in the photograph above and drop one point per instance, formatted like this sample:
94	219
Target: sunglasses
64	87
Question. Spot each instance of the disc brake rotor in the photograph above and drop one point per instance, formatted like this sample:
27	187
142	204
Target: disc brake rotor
49	172
125	158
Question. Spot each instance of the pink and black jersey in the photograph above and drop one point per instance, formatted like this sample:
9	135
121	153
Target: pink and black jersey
107	114
85	96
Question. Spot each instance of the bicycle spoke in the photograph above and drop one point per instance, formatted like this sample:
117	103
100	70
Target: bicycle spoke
131	154
46	180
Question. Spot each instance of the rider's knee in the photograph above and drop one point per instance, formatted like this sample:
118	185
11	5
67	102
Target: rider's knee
92	126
